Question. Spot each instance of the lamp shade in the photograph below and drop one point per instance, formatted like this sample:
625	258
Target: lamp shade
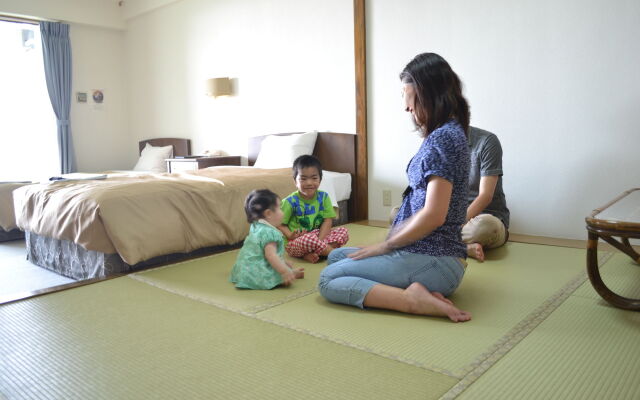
219	87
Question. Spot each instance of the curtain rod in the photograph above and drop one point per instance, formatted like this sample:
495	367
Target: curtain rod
23	19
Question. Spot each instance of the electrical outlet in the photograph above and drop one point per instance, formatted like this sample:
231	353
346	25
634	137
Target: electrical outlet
386	198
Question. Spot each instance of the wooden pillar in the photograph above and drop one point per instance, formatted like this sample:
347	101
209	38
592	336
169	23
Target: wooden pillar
362	180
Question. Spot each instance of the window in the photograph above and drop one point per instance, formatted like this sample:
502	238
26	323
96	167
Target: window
28	130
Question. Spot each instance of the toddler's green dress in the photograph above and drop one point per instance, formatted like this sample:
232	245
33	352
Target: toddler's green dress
252	270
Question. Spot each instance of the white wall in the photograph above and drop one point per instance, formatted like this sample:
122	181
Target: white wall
133	8
97	45
103	13
100	131
291	61
557	81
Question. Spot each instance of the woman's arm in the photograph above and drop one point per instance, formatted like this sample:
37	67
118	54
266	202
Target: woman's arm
422	223
271	254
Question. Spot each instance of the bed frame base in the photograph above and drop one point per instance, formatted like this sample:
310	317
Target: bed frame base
13	234
73	261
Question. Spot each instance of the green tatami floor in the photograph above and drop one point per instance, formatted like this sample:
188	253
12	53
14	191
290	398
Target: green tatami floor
539	331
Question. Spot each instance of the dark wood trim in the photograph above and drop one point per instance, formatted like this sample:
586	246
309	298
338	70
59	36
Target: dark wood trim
11	298
361	194
527	239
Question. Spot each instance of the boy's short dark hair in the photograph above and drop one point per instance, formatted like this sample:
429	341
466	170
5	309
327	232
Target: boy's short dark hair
306	161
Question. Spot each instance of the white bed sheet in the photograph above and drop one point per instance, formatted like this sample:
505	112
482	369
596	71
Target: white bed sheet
337	185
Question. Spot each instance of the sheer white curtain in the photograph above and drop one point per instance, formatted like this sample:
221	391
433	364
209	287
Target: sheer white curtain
28	124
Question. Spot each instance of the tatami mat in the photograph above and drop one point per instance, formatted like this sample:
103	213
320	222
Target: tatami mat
206	279
516	284
184	331
121	339
581	351
503	295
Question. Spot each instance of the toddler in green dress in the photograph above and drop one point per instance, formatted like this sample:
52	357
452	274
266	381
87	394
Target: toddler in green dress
260	263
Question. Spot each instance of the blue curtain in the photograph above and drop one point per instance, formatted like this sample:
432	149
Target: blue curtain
56	51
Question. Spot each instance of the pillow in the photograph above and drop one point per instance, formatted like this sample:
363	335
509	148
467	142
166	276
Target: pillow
281	151
153	158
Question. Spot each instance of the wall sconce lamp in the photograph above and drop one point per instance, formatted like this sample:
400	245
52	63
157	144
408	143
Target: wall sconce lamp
219	87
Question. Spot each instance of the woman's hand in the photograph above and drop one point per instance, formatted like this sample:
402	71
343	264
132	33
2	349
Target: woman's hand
370	251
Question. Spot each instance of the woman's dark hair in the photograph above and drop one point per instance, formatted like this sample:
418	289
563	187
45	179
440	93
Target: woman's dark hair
259	201
306	161
438	91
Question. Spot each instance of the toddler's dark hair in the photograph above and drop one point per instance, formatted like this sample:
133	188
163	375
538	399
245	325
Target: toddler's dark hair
306	161
259	201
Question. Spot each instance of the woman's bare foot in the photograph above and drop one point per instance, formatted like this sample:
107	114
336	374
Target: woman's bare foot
424	302
474	250
298	273
439	295
311	257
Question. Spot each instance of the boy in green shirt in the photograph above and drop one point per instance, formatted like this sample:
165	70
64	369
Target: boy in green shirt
308	214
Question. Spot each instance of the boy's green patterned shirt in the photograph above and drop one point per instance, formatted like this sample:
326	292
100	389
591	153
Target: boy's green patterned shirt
306	214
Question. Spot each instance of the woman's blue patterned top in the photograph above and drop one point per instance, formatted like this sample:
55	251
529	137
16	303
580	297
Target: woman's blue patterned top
444	153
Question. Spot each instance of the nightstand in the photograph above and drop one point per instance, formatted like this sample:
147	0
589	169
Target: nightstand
189	164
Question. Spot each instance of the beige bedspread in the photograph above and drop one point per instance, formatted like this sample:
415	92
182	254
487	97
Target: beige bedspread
7	215
144	216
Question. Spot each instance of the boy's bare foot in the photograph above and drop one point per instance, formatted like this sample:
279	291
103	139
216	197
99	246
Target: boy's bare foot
326	250
311	257
439	295
474	250
424	302
298	273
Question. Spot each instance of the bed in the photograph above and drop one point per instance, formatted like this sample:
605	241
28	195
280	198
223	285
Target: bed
96	228
8	228
153	153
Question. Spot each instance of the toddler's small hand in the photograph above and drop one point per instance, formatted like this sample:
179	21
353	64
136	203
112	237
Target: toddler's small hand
288	278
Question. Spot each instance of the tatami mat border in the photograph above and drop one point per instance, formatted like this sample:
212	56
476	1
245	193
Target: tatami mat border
250	312
467	375
253	314
519	332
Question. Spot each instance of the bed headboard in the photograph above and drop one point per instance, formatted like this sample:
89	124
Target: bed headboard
181	147
336	152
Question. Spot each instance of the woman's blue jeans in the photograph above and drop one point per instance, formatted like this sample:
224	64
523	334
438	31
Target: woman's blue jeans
348	281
